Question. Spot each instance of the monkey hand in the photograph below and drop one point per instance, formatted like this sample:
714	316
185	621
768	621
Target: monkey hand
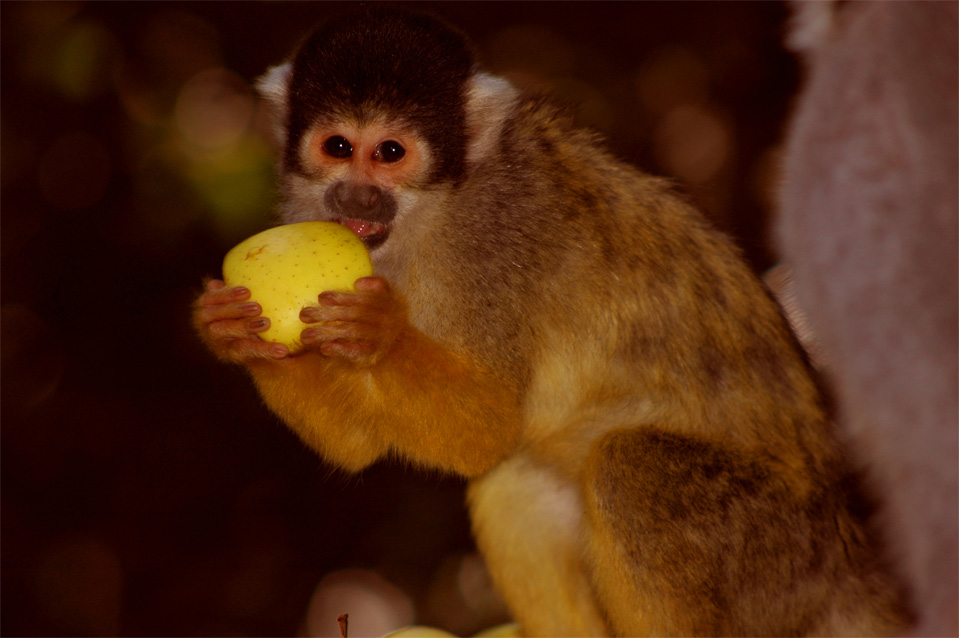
358	326
228	322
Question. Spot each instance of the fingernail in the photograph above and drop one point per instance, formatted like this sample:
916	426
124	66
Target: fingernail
260	324
250	308
307	336
240	291
279	350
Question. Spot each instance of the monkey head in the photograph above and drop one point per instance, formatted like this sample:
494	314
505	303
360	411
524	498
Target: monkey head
372	111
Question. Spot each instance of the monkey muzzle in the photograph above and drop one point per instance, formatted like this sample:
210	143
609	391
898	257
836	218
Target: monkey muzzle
366	209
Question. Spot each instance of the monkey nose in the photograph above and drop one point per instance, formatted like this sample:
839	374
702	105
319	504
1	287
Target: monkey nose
360	201
361	195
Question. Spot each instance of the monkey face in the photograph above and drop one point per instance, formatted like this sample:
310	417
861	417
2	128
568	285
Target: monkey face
357	174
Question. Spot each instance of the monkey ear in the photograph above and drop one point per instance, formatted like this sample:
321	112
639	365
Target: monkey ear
273	87
489	102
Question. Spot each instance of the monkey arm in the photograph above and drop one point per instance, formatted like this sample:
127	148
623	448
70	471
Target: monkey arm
372	384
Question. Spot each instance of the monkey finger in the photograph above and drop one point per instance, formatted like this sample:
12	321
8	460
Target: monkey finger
218	295
365	307
232	329
337	298
332	331
245	350
226	312
360	298
316	314
371	284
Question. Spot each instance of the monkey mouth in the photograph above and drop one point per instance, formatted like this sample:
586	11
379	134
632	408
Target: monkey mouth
373	234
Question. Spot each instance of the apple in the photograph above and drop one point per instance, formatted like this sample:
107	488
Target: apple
419	631
508	630
287	267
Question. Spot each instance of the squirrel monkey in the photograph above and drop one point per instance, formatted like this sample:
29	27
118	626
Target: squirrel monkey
647	450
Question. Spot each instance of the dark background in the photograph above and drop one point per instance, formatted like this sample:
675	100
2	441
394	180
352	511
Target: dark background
145	491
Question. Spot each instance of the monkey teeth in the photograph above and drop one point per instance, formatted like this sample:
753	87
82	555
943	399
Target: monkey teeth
363	228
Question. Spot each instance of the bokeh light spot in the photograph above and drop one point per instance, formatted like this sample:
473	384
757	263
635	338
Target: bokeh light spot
214	109
375	606
536	50
32	357
85	60
671	77
79	584
693	143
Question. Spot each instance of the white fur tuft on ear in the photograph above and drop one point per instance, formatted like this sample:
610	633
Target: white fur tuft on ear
273	86
489	102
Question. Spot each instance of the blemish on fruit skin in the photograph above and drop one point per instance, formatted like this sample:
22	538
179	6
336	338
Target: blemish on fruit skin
253	252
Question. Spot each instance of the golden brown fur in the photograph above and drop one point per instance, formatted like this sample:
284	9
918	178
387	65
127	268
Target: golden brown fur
648	450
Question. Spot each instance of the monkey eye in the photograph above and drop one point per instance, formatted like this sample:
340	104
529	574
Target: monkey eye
338	147
389	151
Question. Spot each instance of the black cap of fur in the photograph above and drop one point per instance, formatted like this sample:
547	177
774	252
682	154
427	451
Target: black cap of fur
386	61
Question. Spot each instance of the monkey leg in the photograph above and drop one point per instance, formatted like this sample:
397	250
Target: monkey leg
527	523
691	538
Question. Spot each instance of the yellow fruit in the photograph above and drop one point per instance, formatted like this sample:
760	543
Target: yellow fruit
508	630
419	631
287	267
